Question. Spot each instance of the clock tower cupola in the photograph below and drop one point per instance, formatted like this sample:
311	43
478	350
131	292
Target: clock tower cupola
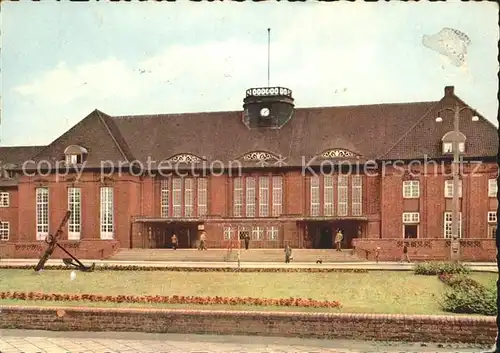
267	107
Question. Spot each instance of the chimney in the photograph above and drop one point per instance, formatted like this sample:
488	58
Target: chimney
449	91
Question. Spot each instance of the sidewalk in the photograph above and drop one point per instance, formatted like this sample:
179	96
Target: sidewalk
392	266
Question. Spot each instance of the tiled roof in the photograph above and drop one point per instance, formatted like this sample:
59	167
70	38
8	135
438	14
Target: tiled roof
381	131
368	130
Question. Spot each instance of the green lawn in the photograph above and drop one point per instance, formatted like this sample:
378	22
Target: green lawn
373	292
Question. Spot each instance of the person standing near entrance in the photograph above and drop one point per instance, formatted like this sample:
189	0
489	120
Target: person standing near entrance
338	240
405	256
288	253
203	238
247	240
174	242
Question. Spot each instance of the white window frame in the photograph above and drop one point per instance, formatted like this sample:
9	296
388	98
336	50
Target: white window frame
188	197
277	195
75	219
238	197
315	199
228	233
264	196
357	195
447	226
492	229
4	199
107	209
411	189
42	212
257	233
250	196
492	188
343	197
71	159
328	195
492	217
448	189
411	217
461	147
177	197
4	231
165	195
202	184
273	233
447	147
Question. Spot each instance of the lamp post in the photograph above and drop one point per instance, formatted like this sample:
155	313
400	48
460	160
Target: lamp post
455	221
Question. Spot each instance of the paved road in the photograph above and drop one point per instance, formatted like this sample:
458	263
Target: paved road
482	266
109	342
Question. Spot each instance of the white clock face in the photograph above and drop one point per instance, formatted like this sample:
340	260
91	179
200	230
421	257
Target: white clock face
264	112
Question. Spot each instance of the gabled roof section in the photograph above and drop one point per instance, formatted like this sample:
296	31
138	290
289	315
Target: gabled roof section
368	130
98	134
424	138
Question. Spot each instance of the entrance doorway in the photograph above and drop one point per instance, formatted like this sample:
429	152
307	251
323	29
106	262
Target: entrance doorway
161	235
325	238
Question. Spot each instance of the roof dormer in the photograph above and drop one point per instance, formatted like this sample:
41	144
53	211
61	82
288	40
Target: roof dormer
449	138
74	154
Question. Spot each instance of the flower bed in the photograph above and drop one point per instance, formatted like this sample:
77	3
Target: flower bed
188	269
175	299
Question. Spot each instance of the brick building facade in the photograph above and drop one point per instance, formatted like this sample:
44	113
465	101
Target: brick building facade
282	175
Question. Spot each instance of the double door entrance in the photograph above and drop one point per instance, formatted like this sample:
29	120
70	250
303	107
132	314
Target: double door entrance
321	235
161	236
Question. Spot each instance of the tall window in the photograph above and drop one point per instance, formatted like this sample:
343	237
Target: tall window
229	233
250	197
176	197
410	224
202	197
42	213
75	206
314	196
258	233
4	199
492	224
165	202
277	196
342	194
4	231
357	195
238	197
448	188
272	233
411	189
328	195
188	197
492	188
448	221
263	196
107	209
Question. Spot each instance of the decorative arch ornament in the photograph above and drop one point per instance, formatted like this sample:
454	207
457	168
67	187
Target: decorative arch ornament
259	156
338	153
187	158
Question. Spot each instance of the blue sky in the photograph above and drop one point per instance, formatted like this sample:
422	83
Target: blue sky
62	60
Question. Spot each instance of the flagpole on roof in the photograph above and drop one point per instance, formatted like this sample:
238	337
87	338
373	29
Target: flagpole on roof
268	56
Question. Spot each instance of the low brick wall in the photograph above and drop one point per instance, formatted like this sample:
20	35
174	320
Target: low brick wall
426	249
445	329
83	249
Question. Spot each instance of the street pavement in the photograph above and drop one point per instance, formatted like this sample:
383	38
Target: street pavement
368	265
16	341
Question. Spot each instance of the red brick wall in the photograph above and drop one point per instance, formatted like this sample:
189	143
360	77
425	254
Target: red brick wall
84	249
383	205
10	214
450	329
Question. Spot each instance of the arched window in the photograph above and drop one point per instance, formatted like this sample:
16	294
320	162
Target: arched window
75	154
449	138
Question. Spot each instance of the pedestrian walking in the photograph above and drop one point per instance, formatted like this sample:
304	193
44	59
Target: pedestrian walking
174	241
288	253
405	256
